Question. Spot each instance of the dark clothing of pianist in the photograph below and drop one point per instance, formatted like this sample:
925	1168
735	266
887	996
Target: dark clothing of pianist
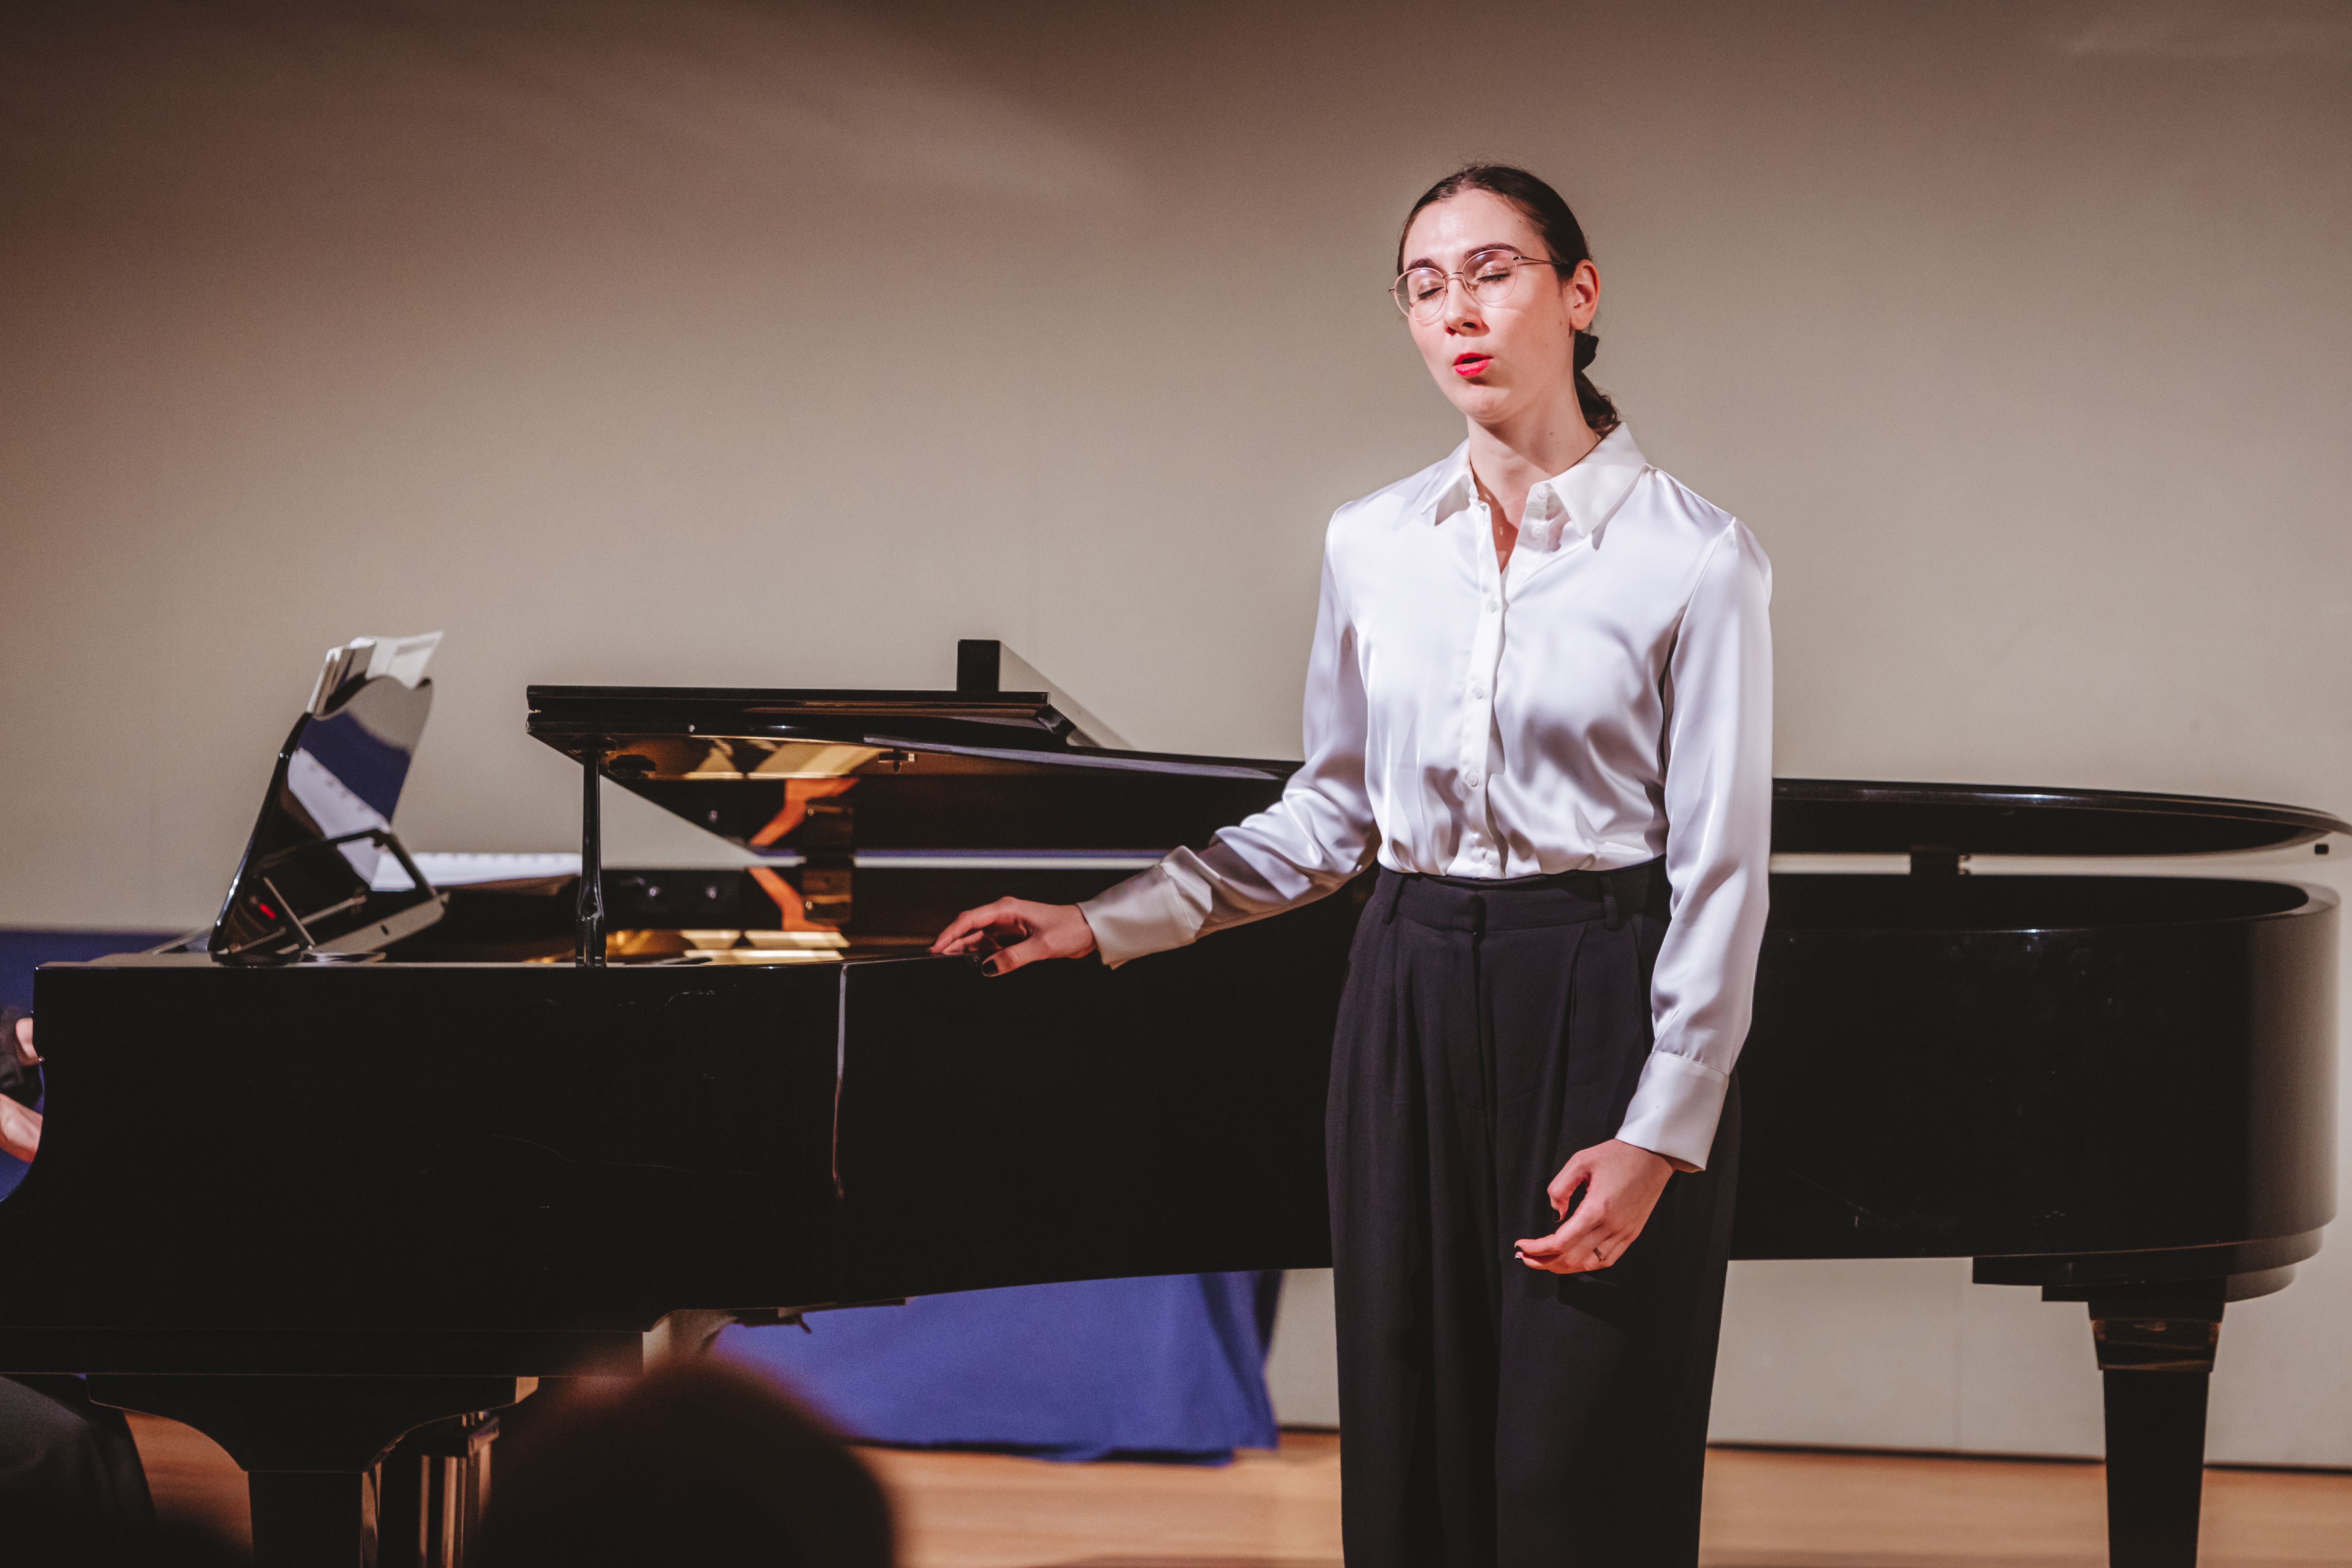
71	1488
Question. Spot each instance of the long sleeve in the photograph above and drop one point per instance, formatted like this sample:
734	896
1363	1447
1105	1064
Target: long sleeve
1309	842
1718	808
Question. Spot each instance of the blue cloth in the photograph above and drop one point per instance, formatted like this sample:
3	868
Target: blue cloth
22	952
1166	1368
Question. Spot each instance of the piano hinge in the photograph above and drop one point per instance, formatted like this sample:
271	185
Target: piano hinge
827	840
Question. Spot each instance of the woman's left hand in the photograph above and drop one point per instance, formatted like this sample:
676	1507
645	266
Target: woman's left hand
1621	1184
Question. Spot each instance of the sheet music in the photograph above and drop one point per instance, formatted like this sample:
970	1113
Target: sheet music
403	659
445	870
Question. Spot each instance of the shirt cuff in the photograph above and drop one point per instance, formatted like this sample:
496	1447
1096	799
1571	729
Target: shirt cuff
1676	1108
1145	913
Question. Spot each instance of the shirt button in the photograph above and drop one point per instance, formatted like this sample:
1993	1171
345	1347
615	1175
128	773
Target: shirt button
1473	780
1492	606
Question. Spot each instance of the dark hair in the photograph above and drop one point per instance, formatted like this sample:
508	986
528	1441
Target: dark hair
698	1465
1562	236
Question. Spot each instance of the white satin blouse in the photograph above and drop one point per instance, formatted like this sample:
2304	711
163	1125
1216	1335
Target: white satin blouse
1606	701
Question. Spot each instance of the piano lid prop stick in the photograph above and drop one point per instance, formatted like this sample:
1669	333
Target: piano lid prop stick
592	857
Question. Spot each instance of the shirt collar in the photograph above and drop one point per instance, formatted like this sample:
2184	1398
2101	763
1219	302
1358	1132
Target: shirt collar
1572	504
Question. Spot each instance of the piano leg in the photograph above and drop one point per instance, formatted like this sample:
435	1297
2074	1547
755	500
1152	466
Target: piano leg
431	1490
302	1517
2155	1358
309	1446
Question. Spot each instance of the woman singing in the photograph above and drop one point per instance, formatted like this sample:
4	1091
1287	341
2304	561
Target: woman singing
1540	695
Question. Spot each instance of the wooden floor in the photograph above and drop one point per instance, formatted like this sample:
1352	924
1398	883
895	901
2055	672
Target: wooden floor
1764	1509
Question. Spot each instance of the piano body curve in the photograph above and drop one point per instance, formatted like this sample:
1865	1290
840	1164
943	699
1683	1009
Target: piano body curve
579	1124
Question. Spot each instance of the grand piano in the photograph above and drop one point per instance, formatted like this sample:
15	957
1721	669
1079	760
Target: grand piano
347	1175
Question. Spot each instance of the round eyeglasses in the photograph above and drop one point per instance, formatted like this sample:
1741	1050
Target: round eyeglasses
1491	276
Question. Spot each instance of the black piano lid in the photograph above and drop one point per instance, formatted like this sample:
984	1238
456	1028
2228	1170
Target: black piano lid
805	773
945	743
1854	817
677	730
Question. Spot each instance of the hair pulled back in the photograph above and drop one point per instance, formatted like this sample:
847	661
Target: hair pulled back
1562	236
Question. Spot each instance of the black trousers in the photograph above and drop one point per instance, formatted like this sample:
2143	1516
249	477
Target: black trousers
1491	1414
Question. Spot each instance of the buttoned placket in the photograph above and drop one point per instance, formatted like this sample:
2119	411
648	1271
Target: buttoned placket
1481	842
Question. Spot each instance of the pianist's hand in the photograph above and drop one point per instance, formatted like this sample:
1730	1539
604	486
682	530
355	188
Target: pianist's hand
20	1125
1621	1184
1020	932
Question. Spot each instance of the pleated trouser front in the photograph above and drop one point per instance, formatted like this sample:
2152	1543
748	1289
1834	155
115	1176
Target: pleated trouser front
1491	1413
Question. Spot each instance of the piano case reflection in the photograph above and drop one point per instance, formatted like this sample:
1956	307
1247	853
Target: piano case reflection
387	1192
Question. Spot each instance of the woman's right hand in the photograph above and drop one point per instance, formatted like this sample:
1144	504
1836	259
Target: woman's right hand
1020	932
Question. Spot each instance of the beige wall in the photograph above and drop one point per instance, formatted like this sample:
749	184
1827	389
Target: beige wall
663	342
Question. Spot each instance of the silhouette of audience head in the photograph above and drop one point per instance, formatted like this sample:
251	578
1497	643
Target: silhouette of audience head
697	1464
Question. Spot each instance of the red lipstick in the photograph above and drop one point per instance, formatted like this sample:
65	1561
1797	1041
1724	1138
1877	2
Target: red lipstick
1467	365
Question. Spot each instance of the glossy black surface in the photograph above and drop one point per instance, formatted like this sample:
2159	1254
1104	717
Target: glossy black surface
898	907
686	730
511	1148
1001	770
1062	809
418	1147
2119	1089
1971	1066
795	772
303	882
1854	817
1981	1066
1166	1117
